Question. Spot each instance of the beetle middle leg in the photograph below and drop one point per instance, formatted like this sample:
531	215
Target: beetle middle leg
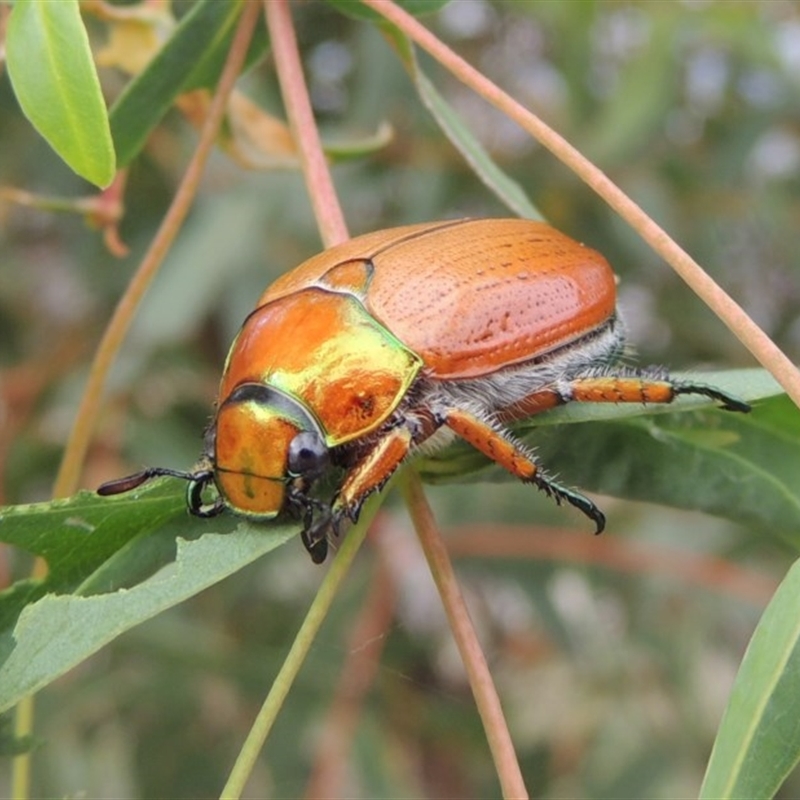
497	444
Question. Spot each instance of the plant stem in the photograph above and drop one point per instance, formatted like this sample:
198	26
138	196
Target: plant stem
327	211
333	230
284	680
625	556
21	765
480	678
356	677
730	312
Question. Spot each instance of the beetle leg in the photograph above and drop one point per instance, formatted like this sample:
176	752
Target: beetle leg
612	389
371	473
640	386
496	443
315	540
315	532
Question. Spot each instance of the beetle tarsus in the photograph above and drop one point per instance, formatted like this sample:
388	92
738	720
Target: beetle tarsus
728	402
315	540
576	499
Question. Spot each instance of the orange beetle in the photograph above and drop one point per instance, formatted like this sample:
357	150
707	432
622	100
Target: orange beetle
392	340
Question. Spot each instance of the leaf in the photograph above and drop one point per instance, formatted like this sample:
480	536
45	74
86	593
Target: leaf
191	59
113	563
744	467
57	632
53	75
507	190
144	553
758	742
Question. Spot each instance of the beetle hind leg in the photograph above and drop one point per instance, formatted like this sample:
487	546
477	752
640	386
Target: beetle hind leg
651	385
576	499
497	444
726	401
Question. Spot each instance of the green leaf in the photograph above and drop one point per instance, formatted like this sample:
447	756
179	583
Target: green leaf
476	156
191	59
480	162
357	10
744	467
113	563
51	69
758	742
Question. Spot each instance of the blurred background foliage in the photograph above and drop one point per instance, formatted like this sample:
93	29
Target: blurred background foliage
614	678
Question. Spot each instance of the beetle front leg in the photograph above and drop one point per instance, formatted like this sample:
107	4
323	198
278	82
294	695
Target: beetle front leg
315	539
371	473
498	445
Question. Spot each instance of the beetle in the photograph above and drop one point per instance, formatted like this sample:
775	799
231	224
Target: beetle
400	340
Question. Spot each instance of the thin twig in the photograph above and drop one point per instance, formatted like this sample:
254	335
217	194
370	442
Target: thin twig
333	229
327	211
480	678
730	312
284	680
364	647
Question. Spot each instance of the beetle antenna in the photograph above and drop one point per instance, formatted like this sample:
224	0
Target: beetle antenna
130	482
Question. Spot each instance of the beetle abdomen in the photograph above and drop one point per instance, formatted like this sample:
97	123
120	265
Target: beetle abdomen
505	391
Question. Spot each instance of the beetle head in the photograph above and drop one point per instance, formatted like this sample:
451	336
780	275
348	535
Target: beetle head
264	442
263	453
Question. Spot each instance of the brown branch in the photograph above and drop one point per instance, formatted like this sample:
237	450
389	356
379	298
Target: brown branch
327	211
480	678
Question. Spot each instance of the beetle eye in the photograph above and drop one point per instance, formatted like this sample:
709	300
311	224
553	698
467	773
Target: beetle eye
308	455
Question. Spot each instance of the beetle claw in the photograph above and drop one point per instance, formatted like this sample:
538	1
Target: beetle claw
339	517
726	401
315	540
574	498
315	535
